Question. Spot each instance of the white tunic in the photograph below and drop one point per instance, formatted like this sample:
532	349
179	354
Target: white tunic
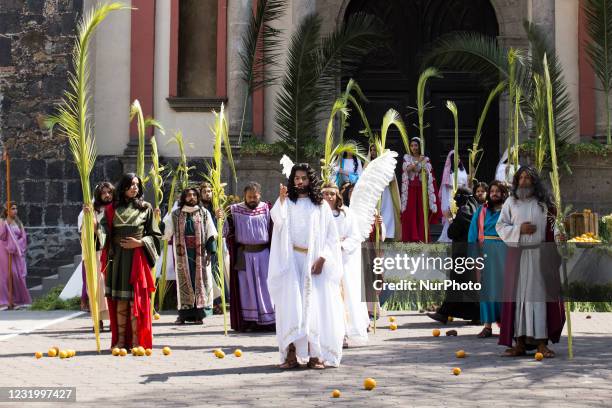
356	311
309	309
530	316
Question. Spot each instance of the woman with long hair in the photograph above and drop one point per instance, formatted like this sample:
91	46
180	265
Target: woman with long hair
413	228
131	240
356	320
13	247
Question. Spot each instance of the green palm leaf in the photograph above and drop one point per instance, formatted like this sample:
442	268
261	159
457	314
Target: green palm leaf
599	48
261	50
73	119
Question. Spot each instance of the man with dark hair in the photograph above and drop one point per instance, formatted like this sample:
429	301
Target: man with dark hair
486	243
304	274
104	195
193	233
532	312
248	230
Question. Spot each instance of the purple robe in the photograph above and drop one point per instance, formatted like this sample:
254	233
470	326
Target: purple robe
13	240
249	296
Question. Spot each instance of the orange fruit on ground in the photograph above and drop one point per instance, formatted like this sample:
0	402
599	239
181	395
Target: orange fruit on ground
38	354
166	350
141	351
148	352
539	356
220	354
456	371
435	332
116	351
450	318
392	319
63	354
71	353
460	354
393	326
238	353
57	350
369	384
336	394
123	352
156	316
52	352
134	351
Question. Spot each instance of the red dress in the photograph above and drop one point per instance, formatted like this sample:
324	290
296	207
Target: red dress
412	201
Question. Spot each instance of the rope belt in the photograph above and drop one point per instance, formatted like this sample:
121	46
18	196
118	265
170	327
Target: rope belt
254	247
492	237
300	249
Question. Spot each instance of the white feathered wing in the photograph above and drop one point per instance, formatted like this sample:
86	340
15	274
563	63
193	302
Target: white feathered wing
368	190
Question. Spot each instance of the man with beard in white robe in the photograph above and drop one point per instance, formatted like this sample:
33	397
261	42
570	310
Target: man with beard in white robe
304	274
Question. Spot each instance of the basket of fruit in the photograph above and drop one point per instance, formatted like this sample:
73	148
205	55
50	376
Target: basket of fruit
587	239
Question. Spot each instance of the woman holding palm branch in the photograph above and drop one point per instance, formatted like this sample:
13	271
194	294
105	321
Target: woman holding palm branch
132	241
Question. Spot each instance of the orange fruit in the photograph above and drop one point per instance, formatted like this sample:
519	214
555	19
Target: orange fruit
141	351
238	353
116	351
52	352
156	316
336	394
456	370
435	332
134	351
450	318
57	350
148	352
166	350
539	356
71	353
392	319
63	354
460	354
393	326
220	354
123	352
369	384
38	354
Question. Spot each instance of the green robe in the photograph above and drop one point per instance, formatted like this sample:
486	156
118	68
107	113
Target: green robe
128	221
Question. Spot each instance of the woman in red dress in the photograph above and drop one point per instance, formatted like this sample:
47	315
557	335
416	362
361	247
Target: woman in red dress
413	229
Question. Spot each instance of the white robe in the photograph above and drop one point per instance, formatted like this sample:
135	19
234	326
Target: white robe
446	191
530	316
388	212
309	309
356	311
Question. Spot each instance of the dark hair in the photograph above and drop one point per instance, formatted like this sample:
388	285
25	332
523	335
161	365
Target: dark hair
462	196
355	162
460	166
346	194
183	198
98	203
314	185
482	185
502	188
252	186
124	185
5	214
339	205
539	191
204	185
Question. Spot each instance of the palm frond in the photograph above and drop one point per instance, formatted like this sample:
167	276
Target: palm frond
73	118
182	169
313	65
143	124
565	118
599	48
261	49
475	153
452	107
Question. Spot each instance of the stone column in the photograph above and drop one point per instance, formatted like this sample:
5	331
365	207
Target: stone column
238	14
543	16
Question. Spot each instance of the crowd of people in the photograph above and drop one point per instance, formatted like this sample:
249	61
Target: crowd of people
295	265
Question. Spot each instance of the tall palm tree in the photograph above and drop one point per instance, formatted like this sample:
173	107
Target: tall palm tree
314	65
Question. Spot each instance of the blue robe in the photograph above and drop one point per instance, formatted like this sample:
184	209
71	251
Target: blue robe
491	277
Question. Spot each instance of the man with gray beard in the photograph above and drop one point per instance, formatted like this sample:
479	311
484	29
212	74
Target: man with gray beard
532	313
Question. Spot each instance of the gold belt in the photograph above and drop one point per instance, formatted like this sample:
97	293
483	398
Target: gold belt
300	249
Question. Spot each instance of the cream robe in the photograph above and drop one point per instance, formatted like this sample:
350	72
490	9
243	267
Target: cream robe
309	309
356	310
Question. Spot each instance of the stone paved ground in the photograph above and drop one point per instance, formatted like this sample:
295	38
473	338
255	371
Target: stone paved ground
412	368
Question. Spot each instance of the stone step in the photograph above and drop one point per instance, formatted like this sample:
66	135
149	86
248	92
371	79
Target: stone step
36	291
50	282
65	272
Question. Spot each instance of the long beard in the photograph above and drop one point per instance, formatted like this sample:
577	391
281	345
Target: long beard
190	204
494	203
252	206
303	190
524	192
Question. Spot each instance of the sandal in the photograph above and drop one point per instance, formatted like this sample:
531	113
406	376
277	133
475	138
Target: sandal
179	321
291	359
315	364
546	352
486	332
